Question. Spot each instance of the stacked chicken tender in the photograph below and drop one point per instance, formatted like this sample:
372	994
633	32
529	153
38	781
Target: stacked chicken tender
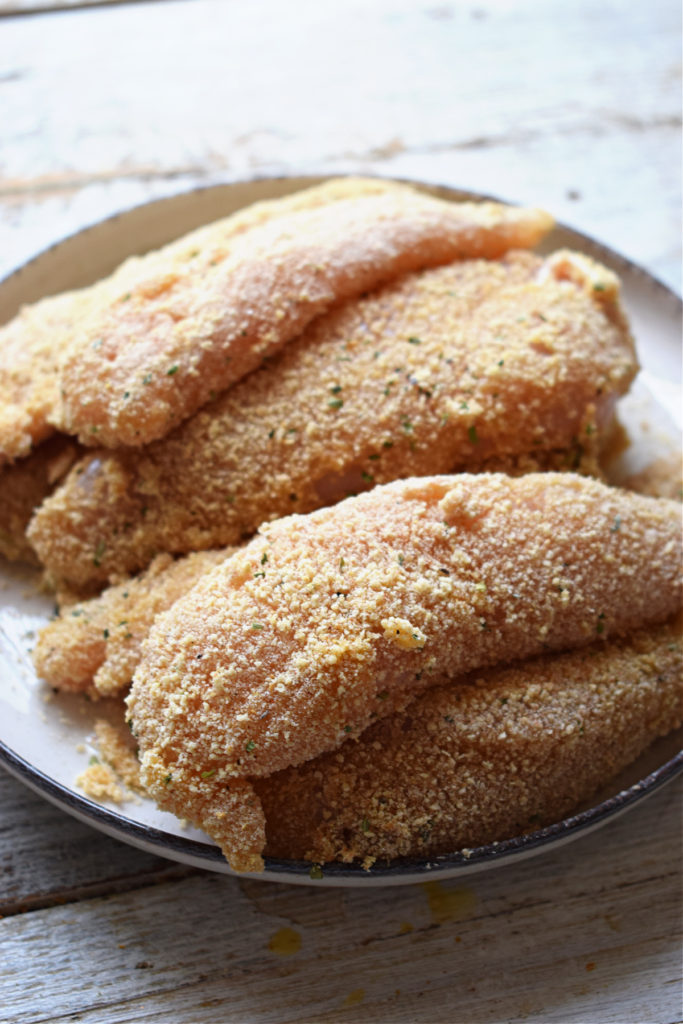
309	478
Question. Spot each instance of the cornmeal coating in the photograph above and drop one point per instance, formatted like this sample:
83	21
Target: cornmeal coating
24	485
442	370
188	324
488	757
325	622
95	645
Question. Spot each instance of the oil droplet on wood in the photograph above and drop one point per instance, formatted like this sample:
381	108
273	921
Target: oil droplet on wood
285	942
355	997
448	904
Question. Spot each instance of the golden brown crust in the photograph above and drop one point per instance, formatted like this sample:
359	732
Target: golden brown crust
24	485
95	645
174	328
486	758
327	621
476	361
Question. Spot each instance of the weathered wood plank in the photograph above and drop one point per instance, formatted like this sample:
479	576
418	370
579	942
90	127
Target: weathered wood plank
588	933
435	92
46	857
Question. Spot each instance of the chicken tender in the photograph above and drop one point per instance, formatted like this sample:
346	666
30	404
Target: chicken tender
172	333
24	485
95	646
325	622
33	343
488	757
29	363
441	371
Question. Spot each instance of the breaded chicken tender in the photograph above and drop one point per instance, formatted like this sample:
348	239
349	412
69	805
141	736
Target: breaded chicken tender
24	485
29	362
440	371
325	622
179	327
485	758
32	345
95	645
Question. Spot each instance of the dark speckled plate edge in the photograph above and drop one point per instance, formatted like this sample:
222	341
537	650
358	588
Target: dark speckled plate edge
206	855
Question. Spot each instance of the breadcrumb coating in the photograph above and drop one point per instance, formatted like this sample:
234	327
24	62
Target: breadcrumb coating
100	782
485	758
188	325
32	345
24	485
298	641
95	645
443	370
29	361
116	750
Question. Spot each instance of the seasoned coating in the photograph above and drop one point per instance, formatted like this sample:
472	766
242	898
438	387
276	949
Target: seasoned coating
443	370
32	345
24	485
95	645
327	621
29	360
491	756
185	326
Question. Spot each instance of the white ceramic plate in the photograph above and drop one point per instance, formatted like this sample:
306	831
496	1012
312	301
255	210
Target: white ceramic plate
46	739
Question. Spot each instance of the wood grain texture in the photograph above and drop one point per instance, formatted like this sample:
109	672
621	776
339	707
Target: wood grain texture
47	858
585	934
575	107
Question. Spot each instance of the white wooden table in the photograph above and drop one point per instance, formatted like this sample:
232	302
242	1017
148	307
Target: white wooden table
575	107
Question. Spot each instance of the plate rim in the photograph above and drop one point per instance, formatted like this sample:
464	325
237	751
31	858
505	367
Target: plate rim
400	871
308	180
